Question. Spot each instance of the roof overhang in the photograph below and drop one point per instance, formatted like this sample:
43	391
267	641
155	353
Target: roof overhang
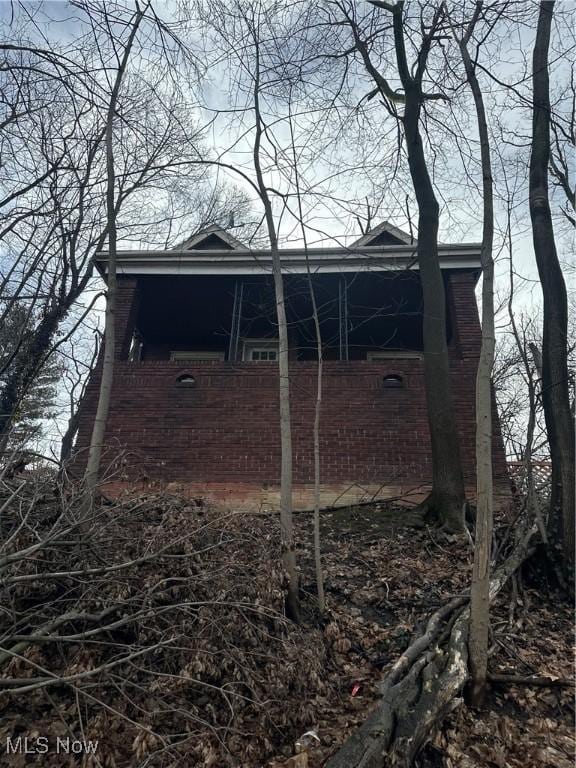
258	262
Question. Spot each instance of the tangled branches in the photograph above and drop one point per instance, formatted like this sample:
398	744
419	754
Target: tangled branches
154	628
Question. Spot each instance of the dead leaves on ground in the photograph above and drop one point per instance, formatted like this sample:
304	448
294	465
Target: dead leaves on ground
242	684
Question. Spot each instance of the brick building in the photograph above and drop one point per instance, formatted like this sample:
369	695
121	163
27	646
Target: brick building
195	394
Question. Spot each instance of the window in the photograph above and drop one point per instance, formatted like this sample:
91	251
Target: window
192	355
263	354
260	350
186	380
393	381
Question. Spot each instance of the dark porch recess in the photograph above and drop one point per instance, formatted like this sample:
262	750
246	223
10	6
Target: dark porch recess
360	313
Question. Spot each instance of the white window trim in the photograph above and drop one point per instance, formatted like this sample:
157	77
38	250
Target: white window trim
190	356
259	345
261	350
391	354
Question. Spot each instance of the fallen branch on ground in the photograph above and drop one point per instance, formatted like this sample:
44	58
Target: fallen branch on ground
424	684
158	632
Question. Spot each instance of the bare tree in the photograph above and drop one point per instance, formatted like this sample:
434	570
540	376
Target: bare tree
447	498
288	553
241	30
53	217
319	373
480	588
555	377
105	394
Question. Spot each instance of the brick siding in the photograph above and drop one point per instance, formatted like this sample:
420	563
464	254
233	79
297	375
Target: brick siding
221	439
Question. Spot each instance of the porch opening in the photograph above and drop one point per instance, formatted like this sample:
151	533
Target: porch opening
363	316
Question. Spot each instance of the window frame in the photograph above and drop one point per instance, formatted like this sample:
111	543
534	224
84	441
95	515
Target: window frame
249	346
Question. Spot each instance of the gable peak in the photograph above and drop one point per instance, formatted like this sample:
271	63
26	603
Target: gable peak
212	237
384	234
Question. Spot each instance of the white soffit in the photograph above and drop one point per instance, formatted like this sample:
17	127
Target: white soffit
242	262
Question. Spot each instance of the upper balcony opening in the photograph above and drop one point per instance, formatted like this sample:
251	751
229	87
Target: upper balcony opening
363	316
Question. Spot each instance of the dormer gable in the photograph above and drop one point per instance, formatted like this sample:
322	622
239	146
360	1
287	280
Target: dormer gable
211	238
384	234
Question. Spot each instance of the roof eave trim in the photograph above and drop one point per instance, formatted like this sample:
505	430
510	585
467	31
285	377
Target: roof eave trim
260	268
401	251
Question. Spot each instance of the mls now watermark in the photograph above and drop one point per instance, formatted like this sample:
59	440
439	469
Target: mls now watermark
41	745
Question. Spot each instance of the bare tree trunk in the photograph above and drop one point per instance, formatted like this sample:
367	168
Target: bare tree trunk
286	523
288	554
318	402
99	429
317	413
316	433
480	587
555	381
447	498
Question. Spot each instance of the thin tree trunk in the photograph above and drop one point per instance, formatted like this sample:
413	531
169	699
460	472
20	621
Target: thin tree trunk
555	381
69	436
318	402
447	498
317	414
316	434
105	394
479	590
286	523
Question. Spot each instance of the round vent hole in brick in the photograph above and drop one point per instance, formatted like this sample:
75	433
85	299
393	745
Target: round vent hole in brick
186	380
393	381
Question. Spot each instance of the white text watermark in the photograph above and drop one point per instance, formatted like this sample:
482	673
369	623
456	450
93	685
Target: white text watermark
42	745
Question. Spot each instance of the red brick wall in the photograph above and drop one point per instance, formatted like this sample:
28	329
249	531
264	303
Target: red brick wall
221	437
